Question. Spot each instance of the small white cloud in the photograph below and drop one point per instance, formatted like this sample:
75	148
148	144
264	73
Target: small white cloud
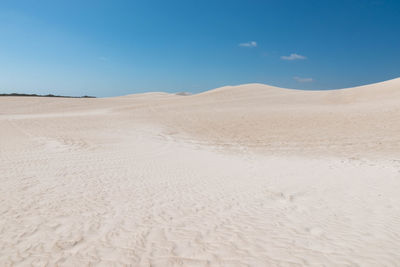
293	56
103	58
249	44
303	80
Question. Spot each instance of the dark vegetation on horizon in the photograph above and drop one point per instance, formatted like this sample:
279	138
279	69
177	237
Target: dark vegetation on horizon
49	95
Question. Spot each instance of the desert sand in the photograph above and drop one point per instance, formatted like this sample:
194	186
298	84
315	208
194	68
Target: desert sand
249	175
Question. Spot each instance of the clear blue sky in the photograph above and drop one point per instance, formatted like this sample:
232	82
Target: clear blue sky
107	48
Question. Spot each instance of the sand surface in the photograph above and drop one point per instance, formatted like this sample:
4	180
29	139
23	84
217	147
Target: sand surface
250	175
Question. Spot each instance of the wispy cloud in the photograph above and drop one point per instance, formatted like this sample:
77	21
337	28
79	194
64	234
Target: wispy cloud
249	44
102	58
293	56
303	80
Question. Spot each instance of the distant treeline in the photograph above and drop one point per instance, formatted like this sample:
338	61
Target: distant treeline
49	95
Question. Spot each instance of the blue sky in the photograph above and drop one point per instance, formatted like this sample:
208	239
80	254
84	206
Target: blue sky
108	48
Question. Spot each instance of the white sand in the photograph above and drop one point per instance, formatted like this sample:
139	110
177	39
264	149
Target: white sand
238	176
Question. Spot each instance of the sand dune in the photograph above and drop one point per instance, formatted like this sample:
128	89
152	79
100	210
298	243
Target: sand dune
249	175
351	122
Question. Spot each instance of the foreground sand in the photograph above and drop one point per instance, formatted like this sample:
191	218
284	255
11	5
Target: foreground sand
238	176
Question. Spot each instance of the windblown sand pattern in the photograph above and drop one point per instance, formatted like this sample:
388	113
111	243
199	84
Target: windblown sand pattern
250	175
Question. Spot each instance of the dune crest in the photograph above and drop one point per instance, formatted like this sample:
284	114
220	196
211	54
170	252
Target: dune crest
382	90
